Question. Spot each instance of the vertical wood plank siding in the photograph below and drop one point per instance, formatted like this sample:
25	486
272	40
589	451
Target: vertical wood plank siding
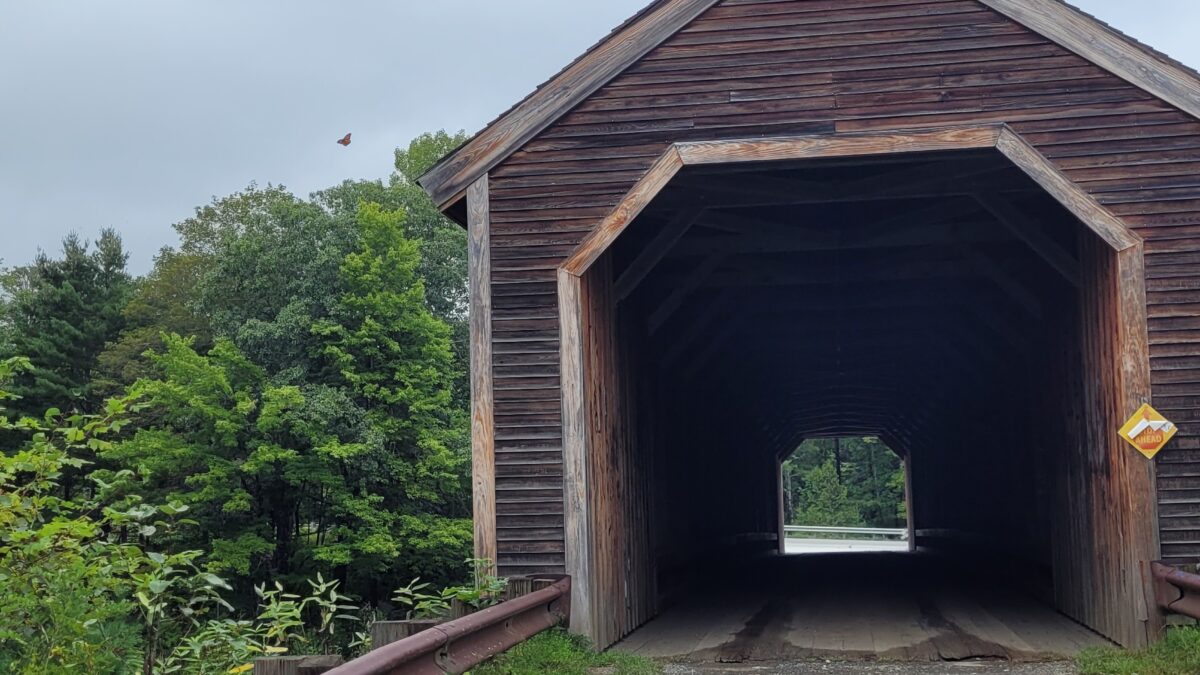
783	67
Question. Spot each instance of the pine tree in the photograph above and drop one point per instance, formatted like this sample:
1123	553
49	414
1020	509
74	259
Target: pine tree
60	314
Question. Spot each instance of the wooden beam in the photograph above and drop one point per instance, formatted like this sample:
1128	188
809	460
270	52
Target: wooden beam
565	91
700	361
911	179
727	194
865	356
624	214
682	289
936	213
483	426
738	222
1107	48
653	252
696	326
1003	278
839	145
941	234
997	323
733	152
1096	217
1030	232
572	306
1086	208
755	273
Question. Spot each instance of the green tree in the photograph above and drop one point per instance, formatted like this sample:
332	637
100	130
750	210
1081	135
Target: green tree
824	500
395	357
60	313
358	468
258	464
868	470
273	275
443	243
874	478
163	302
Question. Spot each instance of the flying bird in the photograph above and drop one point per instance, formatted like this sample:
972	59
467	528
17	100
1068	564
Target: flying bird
345	140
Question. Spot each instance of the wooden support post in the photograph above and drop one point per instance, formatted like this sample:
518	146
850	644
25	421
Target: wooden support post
909	520
1133	367
577	520
781	523
296	665
483	427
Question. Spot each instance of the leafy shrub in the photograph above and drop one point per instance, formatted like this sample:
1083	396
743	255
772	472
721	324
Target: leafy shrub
82	591
485	590
286	622
421	603
71	558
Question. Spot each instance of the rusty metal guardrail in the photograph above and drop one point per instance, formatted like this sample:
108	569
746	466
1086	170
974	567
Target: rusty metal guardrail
459	645
1175	590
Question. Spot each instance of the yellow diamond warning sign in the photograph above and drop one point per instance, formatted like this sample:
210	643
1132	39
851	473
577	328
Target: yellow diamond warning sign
1148	431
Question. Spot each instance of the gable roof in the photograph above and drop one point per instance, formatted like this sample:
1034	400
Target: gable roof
1056	20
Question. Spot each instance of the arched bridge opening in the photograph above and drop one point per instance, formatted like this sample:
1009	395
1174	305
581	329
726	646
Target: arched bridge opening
954	302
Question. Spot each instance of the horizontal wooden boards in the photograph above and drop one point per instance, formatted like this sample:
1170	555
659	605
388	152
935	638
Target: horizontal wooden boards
754	68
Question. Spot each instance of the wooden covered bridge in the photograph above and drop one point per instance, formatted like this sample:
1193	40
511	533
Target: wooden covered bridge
970	228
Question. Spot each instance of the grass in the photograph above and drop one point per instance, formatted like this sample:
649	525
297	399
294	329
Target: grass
561	653
1178	654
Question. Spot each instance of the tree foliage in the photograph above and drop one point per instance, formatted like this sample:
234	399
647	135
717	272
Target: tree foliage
292	375
318	433
74	569
60	313
844	482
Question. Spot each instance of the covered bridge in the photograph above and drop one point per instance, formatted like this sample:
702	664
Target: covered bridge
970	228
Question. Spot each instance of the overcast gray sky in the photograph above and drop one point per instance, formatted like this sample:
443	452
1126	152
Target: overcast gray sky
130	113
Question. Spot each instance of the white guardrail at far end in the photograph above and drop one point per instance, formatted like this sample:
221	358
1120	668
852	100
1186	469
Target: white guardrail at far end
897	533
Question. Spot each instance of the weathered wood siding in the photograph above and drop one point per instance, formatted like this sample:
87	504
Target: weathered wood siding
779	67
1096	525
618	471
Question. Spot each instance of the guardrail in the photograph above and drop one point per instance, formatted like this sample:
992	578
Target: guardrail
459	645
898	533
1175	590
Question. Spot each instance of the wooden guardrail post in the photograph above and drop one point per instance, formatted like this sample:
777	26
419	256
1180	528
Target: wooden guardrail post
296	665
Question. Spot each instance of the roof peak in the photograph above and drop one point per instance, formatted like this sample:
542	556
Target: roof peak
1061	23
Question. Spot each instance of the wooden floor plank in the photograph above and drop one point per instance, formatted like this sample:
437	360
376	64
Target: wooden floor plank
870	606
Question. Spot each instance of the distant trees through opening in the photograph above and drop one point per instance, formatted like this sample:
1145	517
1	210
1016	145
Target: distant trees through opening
844	482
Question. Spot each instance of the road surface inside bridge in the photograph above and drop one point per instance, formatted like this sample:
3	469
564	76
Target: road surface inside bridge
799	545
914	607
